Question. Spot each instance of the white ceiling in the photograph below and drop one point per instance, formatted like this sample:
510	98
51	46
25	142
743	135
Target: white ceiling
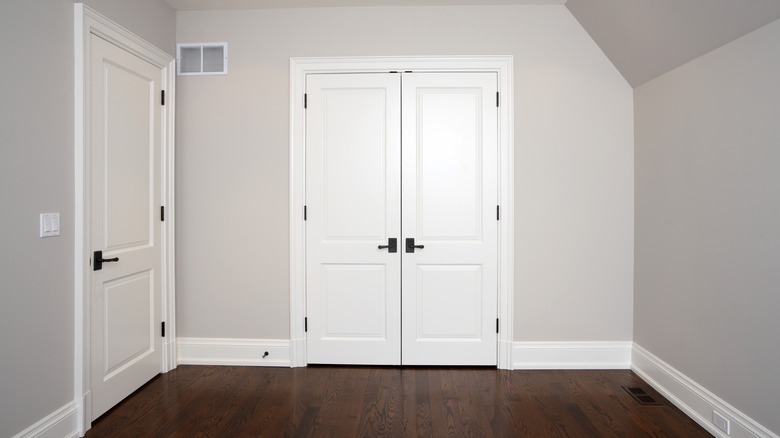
643	38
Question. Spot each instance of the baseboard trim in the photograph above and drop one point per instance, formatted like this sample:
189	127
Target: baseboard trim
60	423
233	351
693	399
571	355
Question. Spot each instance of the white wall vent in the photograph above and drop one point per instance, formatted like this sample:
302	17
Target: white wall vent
201	59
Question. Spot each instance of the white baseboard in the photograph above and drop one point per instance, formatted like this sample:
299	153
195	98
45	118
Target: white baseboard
571	355
59	424
693	399
230	351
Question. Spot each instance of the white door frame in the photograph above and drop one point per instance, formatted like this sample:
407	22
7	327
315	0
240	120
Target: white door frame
88	22
299	68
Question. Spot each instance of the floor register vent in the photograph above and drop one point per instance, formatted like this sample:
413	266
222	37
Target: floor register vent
641	396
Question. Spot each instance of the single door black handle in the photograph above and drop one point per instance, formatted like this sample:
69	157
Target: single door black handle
392	245
410	246
98	260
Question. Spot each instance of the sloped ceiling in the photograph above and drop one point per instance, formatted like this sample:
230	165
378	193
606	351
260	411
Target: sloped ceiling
646	38
643	38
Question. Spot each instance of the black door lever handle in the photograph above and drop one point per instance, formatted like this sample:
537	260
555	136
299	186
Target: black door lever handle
98	260
392	245
410	246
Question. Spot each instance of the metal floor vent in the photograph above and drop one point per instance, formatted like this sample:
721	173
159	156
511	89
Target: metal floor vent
641	396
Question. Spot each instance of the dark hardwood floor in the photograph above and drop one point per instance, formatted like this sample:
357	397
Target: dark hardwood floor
324	401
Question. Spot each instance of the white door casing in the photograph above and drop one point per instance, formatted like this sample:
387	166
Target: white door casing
447	122
123	187
450	195
353	206
299	69
125	176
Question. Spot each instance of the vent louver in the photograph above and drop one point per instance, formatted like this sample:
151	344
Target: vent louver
201	59
641	396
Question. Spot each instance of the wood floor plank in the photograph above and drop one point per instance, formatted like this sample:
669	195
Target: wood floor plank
408	410
303	405
499	412
325	401
423	412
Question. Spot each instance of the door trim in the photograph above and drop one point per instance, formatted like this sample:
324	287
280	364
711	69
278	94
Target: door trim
299	68
89	22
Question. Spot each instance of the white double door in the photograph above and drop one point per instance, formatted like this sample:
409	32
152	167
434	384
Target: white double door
391	158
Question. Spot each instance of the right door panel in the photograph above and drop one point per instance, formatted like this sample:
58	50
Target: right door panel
449	199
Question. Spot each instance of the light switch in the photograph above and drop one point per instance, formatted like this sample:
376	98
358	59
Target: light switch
50	224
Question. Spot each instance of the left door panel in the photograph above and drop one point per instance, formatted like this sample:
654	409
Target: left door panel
353	197
125	138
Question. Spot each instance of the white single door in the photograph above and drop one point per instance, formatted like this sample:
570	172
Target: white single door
450	198
125	225
353	194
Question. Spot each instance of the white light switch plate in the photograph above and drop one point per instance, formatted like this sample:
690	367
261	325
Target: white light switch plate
50	224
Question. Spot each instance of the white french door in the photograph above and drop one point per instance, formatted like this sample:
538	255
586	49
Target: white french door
401	227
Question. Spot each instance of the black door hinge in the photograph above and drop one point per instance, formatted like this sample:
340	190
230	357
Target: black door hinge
162	213
497	99
163	329
305	100
304	212
306	324
162	97
498	212
496	325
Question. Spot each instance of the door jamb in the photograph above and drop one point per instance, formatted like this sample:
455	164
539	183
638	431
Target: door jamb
299	68
89	22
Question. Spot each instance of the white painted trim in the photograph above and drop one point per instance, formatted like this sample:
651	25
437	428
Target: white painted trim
228	351
60	423
693	399
86	22
299	68
169	232
571	355
224	47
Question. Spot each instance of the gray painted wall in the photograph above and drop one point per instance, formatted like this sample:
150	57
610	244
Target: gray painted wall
707	276
36	176
573	145
152	20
